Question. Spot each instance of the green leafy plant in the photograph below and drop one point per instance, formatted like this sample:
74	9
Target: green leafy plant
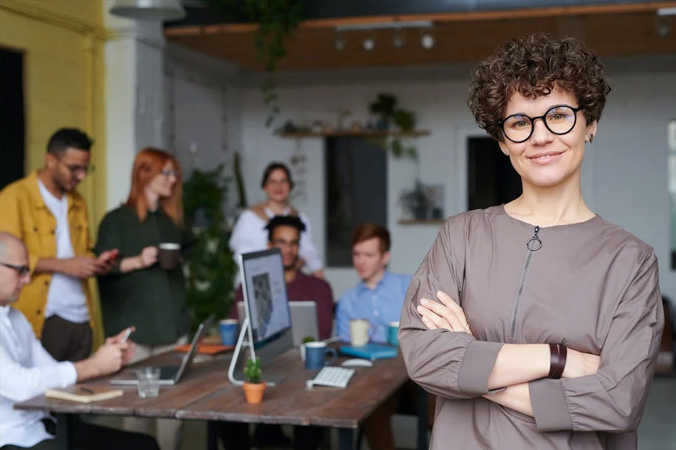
385	107
209	264
307	339
252	371
277	19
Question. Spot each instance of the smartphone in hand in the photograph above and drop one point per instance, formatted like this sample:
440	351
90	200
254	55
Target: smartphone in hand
126	334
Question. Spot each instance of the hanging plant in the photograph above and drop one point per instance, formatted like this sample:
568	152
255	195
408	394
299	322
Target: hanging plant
277	19
385	108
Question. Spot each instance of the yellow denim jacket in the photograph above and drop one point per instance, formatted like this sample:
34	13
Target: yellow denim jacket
24	214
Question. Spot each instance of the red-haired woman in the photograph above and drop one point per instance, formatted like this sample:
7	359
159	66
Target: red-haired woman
138	291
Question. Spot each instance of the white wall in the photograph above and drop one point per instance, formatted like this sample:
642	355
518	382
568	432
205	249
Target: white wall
203	97
135	109
624	175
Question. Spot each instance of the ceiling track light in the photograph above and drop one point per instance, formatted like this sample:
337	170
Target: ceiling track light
386	25
341	40
666	12
427	33
370	41
427	37
398	37
662	21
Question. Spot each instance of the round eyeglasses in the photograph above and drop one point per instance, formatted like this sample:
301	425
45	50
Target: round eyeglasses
559	120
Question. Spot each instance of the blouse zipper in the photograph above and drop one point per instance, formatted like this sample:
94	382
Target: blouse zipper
534	244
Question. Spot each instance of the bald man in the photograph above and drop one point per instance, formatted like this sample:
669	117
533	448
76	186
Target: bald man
27	370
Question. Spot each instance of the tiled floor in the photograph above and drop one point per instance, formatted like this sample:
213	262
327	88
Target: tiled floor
657	431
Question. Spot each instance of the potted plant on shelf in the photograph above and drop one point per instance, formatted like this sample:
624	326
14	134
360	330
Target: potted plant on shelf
416	202
385	107
254	386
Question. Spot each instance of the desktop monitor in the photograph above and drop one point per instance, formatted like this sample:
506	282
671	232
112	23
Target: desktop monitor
264	288
267	306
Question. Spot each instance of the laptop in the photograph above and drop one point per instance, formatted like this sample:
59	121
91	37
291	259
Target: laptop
303	320
171	375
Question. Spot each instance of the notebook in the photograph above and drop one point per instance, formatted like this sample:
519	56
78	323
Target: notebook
171	375
83	394
370	351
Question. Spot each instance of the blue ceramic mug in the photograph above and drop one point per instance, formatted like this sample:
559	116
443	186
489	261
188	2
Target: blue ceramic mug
227	328
392	330
315	355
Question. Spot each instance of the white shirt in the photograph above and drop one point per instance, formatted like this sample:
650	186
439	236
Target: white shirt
65	297
26	370
249	235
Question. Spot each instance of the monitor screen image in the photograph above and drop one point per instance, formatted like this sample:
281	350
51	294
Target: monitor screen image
264	290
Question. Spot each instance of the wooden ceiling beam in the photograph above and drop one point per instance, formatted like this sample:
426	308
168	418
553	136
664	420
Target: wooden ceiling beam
471	16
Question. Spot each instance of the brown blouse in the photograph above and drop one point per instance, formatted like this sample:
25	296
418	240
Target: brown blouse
591	286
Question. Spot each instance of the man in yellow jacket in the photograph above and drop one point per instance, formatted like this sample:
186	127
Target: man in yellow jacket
50	217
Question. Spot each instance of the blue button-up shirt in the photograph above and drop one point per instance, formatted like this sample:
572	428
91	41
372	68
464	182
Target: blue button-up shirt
379	306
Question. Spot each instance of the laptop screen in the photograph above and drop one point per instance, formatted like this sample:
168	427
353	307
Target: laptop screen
304	322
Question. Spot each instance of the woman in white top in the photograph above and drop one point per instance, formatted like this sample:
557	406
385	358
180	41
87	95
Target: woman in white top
249	233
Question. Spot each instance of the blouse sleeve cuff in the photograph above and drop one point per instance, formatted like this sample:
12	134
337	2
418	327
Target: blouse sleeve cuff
68	373
476	366
550	408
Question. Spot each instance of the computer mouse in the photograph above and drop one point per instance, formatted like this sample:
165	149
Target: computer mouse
357	362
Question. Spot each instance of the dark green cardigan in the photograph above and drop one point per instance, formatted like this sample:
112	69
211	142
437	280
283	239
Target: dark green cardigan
151	299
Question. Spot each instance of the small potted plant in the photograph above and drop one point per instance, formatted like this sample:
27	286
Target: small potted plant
254	386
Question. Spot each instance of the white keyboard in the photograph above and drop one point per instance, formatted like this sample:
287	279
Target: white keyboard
331	376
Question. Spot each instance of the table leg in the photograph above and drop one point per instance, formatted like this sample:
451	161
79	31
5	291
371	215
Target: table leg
346	439
64	431
422	419
212	435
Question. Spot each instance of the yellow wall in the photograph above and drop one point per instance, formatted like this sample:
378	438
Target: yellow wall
62	42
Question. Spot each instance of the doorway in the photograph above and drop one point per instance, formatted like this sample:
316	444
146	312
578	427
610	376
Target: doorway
491	179
12	121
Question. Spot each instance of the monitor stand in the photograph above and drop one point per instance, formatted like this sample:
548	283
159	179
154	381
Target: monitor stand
267	353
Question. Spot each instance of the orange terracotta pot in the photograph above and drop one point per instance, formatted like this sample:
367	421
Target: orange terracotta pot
254	392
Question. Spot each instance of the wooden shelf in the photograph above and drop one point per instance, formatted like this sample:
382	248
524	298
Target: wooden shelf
351	133
421	221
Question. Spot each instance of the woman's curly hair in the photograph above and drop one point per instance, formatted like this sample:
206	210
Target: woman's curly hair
532	65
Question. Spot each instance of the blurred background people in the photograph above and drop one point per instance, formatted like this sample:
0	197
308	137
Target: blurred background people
46	212
286	234
138	291
249	233
27	370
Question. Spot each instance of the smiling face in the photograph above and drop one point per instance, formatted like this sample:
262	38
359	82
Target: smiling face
277	186
163	183
69	168
547	159
287	239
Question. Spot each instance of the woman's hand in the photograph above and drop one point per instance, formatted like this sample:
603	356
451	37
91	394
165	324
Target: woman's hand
148	256
447	314
580	364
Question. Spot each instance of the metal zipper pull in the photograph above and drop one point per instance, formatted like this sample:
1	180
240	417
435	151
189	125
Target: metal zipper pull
534	244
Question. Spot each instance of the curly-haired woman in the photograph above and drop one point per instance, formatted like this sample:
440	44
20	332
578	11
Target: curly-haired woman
536	323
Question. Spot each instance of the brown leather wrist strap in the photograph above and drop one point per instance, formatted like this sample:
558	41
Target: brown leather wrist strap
557	361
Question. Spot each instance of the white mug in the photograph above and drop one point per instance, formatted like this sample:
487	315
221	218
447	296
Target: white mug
359	332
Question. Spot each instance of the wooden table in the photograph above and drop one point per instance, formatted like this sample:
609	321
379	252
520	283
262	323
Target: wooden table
206	394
